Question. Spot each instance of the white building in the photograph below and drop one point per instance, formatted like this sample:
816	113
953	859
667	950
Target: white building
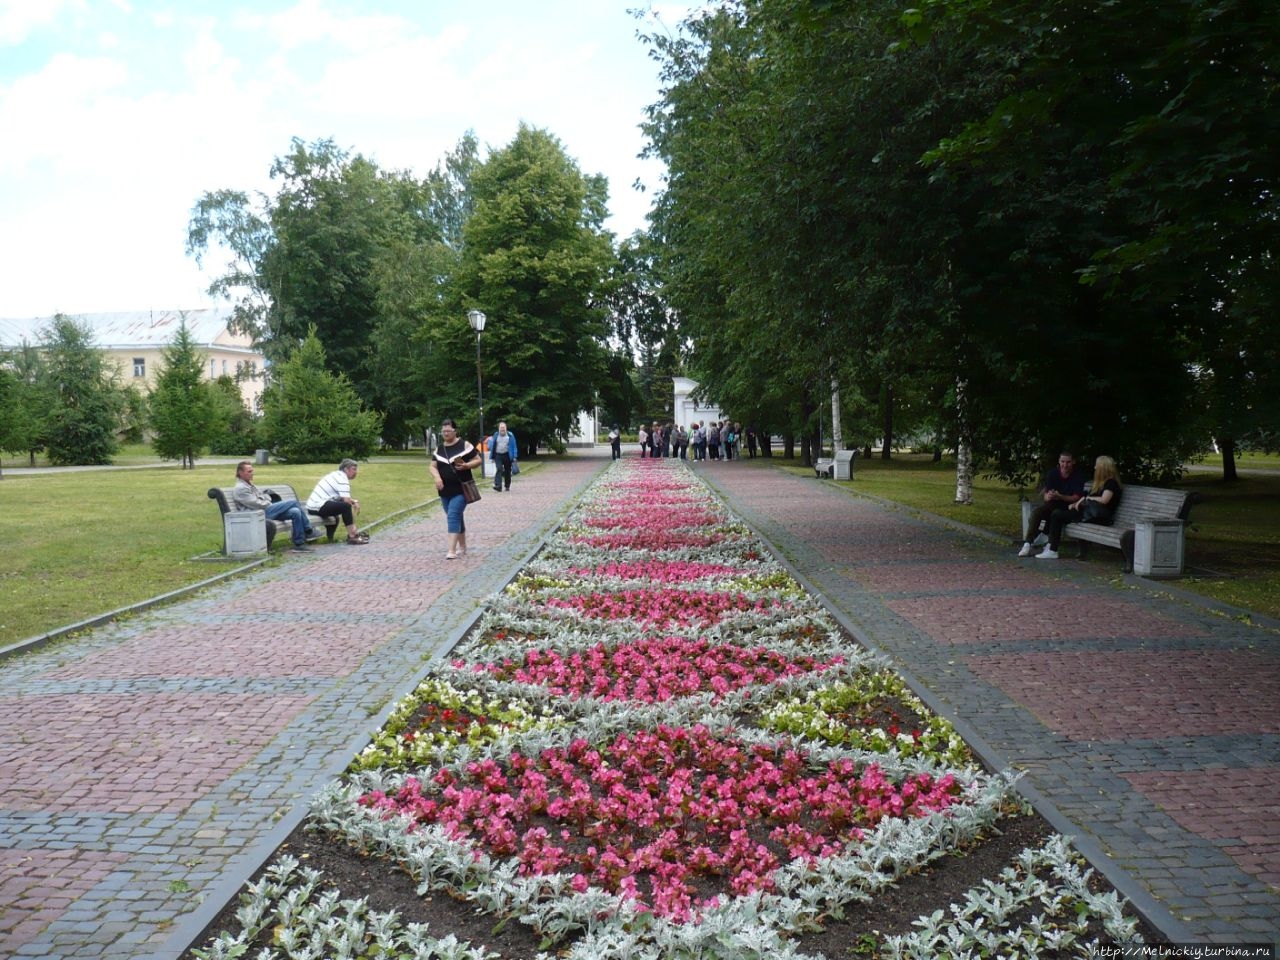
687	411
135	344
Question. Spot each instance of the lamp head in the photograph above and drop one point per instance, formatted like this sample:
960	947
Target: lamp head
476	318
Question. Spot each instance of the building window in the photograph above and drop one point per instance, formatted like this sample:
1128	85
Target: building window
213	369
224	368
139	366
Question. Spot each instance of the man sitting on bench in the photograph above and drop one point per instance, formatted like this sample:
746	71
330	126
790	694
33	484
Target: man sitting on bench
249	497
1062	486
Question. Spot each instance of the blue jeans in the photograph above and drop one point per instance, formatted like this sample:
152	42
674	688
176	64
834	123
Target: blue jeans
296	514
453	508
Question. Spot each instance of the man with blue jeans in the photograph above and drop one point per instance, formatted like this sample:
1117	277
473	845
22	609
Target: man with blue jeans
249	497
504	453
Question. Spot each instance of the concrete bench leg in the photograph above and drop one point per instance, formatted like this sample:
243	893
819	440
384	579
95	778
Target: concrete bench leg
1126	545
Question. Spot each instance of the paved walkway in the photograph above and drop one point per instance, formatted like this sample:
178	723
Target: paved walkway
1147	725
147	767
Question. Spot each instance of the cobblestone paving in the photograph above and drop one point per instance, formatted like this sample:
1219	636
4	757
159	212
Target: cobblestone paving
1149	726
147	766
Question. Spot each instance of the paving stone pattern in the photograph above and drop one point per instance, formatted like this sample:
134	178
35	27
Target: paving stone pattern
1149	723
144	765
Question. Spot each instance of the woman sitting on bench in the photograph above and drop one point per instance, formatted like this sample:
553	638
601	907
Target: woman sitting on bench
1097	506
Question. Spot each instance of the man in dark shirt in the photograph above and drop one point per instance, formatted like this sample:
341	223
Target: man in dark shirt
1062	486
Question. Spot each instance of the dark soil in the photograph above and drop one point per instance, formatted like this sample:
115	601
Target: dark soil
893	911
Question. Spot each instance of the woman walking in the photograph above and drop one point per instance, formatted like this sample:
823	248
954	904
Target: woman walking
451	467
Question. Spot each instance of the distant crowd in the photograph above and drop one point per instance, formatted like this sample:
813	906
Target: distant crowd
713	440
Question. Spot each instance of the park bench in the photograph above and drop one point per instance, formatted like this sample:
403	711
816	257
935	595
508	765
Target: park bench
839	467
1148	528
225	498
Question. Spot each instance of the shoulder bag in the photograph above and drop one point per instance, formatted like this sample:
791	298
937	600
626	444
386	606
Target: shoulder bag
470	492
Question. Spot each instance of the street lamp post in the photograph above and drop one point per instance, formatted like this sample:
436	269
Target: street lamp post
477	318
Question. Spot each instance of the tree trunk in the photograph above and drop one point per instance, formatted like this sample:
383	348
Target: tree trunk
937	454
837	430
1228	448
964	452
886	453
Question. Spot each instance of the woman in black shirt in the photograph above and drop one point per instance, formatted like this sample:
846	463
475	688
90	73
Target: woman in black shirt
451	466
1097	506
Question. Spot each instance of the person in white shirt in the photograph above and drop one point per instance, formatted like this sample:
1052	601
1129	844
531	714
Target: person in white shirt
332	497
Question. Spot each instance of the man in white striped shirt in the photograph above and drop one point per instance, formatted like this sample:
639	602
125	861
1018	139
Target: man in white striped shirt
332	497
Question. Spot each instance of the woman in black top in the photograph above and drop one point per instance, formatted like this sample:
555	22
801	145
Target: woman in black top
1098	506
451	466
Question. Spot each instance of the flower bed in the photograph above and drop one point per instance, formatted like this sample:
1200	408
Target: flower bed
655	744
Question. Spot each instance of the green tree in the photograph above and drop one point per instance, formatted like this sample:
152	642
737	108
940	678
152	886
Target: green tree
234	429
311	255
311	415
535	259
182	408
29	402
86	400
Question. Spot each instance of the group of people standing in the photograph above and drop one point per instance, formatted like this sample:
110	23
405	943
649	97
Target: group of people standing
714	440
1065	500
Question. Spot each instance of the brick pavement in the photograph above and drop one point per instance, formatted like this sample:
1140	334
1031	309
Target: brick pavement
148	766
1147	726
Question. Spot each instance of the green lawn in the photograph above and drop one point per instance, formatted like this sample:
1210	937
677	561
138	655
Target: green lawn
1233	541
82	543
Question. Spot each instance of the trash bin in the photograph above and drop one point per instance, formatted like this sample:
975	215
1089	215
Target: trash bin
1158	548
244	533
260	457
842	469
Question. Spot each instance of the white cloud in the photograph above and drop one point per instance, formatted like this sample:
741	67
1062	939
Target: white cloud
21	18
115	123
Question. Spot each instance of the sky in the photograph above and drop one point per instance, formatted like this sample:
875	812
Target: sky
117	115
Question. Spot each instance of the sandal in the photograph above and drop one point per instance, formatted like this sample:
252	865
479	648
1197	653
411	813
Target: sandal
358	539
450	556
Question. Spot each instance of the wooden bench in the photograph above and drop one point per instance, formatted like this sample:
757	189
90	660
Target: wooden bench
839	467
1167	508
225	498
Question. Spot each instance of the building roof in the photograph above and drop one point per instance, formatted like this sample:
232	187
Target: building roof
136	330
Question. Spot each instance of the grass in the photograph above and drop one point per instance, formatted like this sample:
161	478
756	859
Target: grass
82	543
1233	540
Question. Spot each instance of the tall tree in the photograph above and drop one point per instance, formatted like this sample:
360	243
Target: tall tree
30	400
182	408
535	259
86	400
311	415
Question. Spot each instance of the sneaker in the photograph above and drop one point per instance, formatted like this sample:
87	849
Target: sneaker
1047	554
1040	541
313	535
1025	551
302	548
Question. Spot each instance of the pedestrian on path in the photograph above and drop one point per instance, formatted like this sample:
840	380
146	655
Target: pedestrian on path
505	456
451	467
331	497
249	497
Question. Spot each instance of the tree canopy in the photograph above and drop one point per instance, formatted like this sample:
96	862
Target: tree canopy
1027	204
